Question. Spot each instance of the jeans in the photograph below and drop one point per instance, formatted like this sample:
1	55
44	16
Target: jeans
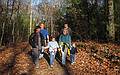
64	55
52	57
72	58
35	55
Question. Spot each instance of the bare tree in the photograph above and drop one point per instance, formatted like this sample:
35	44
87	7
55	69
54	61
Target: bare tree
48	10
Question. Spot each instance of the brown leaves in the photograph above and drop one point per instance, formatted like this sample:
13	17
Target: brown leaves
6	58
94	63
18	57
23	65
20	47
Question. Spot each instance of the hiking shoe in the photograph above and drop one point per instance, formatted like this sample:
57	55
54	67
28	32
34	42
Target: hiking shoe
63	65
37	66
51	66
40	56
72	63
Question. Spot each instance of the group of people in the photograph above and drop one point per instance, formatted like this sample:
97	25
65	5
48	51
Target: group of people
40	40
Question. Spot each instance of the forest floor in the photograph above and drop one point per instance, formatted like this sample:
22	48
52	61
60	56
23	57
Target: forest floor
93	58
45	69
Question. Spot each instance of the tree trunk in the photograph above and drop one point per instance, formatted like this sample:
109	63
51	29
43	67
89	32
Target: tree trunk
3	28
1	9
13	32
111	25
13	29
18	24
31	17
52	25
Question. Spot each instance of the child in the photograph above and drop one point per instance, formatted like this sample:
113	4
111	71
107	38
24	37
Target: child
72	53
52	45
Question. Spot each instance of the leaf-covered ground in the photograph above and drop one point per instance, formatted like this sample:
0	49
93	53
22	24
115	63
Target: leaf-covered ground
96	59
17	61
92	59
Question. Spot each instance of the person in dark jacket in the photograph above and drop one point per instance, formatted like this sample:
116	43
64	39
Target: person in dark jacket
73	51
35	42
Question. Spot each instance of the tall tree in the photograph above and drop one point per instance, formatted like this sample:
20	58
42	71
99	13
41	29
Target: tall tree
117	19
111	25
14	20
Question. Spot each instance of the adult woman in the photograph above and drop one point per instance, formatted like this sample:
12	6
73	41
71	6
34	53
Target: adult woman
65	43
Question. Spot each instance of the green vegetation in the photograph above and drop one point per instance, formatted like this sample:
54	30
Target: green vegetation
89	19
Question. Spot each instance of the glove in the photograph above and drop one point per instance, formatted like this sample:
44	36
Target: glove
59	49
43	47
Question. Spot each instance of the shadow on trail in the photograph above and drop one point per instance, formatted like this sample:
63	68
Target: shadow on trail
46	56
58	59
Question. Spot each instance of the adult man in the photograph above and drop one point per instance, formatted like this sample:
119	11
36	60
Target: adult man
69	31
34	41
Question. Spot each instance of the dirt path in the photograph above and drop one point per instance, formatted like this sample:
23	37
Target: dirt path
45	69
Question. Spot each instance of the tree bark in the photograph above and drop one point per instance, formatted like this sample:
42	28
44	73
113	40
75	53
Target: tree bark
3	28
111	25
31	17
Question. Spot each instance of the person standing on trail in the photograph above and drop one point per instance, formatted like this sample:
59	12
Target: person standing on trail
53	46
34	41
69	31
65	43
73	51
45	38
44	33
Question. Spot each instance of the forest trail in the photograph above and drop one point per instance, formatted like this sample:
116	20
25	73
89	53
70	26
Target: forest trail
45	69
28	68
17	61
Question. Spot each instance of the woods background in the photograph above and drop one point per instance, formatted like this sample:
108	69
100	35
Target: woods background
89	19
